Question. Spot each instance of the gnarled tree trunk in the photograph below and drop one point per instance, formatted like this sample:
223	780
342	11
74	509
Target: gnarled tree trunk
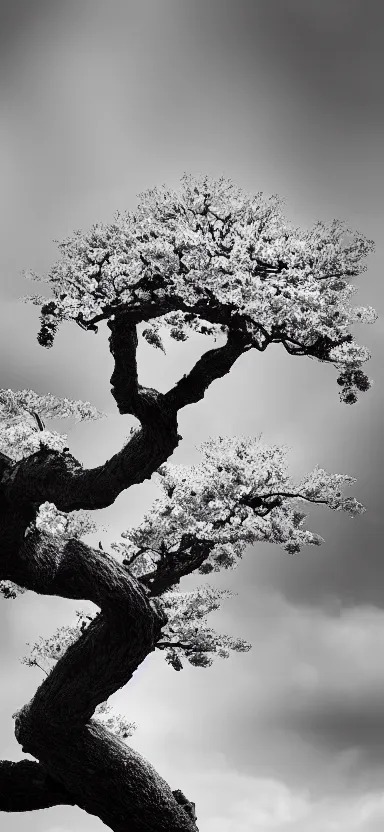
79	761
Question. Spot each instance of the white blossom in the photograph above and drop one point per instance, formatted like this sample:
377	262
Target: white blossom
18	402
187	626
351	354
73	524
20	433
8	589
212	504
211	243
21	440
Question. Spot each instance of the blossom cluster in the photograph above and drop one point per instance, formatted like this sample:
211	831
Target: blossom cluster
48	405
208	246
72	524
239	494
22	431
8	589
187	634
21	440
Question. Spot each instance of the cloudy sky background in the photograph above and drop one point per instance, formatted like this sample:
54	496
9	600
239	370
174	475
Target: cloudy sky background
99	102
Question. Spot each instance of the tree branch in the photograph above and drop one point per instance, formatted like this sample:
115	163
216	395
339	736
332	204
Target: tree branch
116	642
26	785
129	395
176	565
56	725
212	365
95	765
59	478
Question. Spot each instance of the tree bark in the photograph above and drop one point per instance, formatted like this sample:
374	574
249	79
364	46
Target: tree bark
60	479
106	777
103	775
26	785
80	762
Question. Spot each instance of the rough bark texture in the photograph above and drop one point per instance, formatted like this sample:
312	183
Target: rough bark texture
80	762
106	777
26	785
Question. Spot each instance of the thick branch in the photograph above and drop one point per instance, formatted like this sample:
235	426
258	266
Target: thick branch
123	346
60	479
191	554
129	395
103	775
107	778
26	785
212	365
117	641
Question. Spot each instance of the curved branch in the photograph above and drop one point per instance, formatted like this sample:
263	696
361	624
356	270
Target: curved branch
95	765
56	725
116	642
123	346
26	785
169	571
174	565
129	395
59	478
212	365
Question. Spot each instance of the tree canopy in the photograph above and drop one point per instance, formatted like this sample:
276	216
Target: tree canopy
211	257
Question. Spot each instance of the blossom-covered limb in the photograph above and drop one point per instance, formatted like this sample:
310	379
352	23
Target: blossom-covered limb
209	513
187	635
209	251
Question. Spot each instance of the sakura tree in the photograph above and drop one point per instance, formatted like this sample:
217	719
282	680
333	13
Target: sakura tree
214	260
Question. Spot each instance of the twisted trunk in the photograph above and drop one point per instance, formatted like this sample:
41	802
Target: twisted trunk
105	777
79	761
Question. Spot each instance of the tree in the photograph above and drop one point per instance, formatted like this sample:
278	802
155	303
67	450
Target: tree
211	259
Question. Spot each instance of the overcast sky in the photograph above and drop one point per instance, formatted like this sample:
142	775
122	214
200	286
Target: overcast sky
100	101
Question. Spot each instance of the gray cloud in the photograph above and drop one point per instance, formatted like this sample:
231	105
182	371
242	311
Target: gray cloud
305	707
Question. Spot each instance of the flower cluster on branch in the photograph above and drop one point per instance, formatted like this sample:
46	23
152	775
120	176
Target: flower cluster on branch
239	494
209	257
22	431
